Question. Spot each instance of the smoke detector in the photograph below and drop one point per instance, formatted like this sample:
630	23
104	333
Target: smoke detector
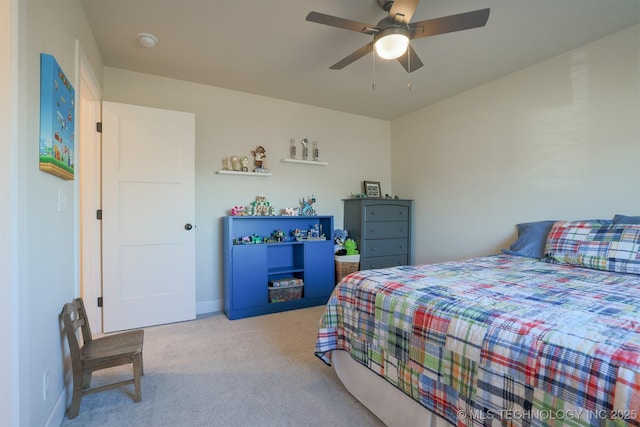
147	40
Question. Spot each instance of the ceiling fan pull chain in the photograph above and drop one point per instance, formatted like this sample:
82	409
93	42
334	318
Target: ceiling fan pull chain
373	84
409	65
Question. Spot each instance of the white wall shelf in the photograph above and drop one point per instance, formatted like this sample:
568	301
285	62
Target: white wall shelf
224	172
305	162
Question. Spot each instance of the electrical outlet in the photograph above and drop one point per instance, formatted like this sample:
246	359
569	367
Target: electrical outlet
45	384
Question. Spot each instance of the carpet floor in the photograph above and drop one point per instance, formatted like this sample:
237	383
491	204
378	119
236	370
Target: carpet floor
259	371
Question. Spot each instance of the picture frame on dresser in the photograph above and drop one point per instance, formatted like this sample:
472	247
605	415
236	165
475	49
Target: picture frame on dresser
372	189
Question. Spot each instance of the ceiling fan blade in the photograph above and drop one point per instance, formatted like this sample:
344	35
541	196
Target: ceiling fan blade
368	48
449	24
343	23
410	58
402	10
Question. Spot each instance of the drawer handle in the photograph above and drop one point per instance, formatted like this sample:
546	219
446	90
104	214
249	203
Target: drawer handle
373	230
373	212
373	249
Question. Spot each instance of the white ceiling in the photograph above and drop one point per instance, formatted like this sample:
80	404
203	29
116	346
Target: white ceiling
266	47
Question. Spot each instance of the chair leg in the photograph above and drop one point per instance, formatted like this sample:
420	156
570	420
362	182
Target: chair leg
141	366
137	371
74	408
86	379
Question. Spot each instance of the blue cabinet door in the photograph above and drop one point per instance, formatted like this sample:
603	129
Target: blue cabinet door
250	282
319	272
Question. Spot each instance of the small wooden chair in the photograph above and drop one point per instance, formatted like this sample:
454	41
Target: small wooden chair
91	355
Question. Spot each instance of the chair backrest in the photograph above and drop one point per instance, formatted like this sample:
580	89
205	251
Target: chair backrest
74	317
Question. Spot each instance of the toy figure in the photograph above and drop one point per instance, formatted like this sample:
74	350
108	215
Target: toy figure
238	210
245	164
305	148
260	156
307	208
225	164
278	236
292	148
316	151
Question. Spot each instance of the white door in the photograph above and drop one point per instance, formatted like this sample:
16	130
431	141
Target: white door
148	213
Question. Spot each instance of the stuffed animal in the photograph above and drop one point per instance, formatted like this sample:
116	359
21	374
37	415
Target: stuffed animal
339	237
351	247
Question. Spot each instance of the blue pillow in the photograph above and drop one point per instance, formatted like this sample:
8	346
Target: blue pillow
624	219
532	236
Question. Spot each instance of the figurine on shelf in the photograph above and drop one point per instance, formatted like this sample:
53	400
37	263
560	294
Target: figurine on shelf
305	149
307	208
316	152
278	236
290	212
235	163
260	207
260	155
299	234
292	148
225	164
245	164
238	210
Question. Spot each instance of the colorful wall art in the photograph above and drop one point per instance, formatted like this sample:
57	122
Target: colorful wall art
57	116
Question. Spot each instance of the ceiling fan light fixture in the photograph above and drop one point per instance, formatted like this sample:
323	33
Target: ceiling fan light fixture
391	43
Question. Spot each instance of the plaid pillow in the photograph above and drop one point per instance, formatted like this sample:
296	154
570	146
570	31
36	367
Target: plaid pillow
614	247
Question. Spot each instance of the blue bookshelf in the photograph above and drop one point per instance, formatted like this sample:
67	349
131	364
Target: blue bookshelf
250	267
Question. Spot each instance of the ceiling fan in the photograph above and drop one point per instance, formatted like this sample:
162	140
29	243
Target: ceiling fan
392	34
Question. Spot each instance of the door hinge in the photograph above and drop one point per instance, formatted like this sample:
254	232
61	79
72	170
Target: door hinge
99	301
99	214
99	127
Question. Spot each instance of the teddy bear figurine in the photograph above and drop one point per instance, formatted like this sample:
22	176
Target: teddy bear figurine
260	161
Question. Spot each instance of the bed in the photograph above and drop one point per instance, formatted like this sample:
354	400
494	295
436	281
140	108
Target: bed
547	333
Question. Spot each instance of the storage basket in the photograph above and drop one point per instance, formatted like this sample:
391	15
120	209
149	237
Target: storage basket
346	264
285	293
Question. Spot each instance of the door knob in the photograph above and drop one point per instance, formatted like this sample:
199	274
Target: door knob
188	226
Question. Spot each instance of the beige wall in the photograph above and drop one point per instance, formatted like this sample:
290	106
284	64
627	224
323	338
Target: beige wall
45	258
230	123
558	140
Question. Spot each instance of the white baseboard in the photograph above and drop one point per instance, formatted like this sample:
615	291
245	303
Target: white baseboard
206	307
57	413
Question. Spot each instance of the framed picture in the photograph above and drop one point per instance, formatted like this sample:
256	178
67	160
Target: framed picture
372	189
57	118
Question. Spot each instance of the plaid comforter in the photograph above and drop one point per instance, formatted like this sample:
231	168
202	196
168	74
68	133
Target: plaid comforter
499	340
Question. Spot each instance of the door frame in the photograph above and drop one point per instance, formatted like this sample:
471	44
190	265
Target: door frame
89	189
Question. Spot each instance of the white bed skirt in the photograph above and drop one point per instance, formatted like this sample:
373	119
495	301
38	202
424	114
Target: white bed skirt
388	403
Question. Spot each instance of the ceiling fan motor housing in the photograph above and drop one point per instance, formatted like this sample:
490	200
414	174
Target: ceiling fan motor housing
385	4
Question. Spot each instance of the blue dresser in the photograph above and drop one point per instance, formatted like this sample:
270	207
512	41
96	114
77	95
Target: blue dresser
256	263
381	229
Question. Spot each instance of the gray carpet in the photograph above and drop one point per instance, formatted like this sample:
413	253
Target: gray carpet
259	371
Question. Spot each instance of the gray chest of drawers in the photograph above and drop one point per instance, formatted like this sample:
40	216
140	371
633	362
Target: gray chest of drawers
382	230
